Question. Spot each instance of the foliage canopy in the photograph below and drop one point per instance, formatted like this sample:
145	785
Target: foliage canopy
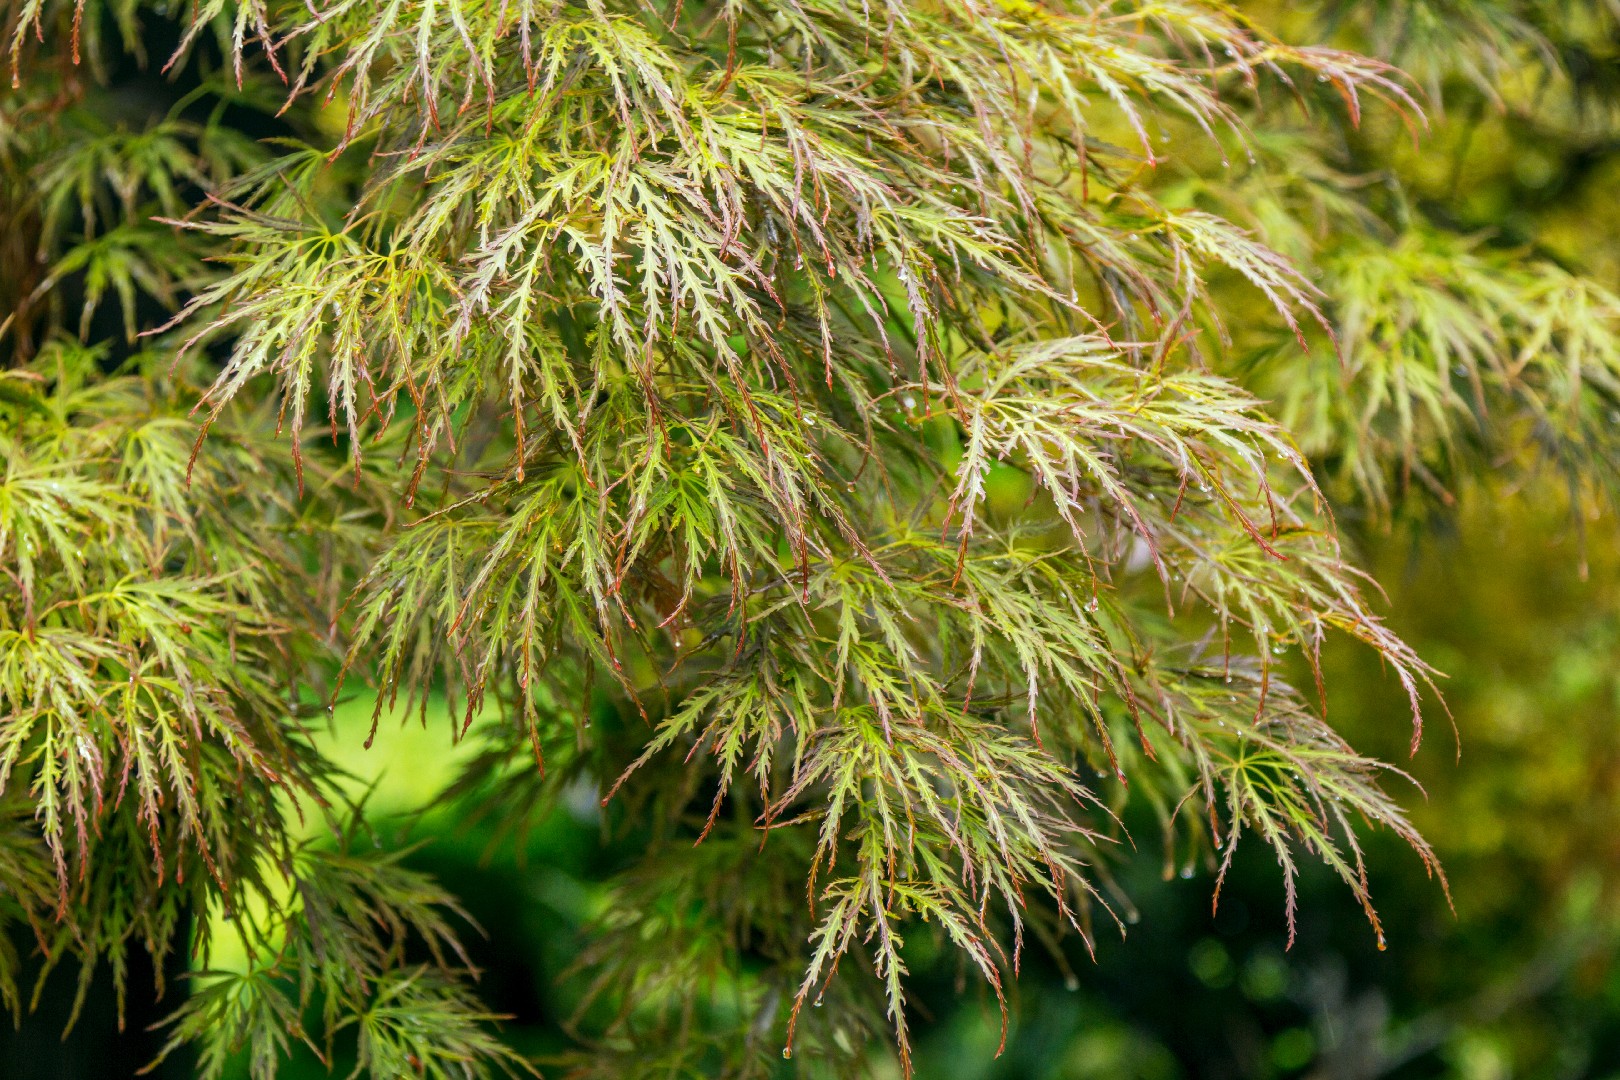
908	429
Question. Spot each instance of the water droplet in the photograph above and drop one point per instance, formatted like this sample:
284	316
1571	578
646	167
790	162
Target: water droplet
817	1002
1321	78
810	419
1381	945
1186	873
1091	605
787	1051
1071	983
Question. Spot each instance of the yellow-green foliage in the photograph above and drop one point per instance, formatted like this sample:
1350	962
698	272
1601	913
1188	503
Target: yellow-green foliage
664	362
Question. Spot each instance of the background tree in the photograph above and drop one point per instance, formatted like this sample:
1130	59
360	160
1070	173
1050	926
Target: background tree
877	464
